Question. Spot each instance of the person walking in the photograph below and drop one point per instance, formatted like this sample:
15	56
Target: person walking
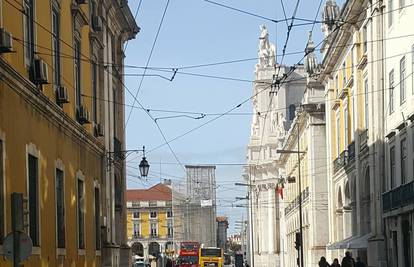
348	261
323	262
359	263
335	263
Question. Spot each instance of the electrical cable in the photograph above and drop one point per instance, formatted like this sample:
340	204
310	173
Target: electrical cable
148	61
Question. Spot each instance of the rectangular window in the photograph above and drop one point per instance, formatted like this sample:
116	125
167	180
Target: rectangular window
364	39
336	86
2	222
81	214
391	90
77	69
137	232
353	128
60	208
95	92
33	200
56	46
169	214
412	69
392	167
29	38
403	161
352	61
402	81
366	111
97	219
343	74
346	127
135	215
390	13
170	229
153	214
154	229
338	134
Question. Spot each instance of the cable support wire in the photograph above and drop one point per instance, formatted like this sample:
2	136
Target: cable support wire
148	61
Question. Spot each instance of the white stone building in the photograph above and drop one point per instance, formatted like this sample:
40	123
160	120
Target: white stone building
398	90
304	177
271	106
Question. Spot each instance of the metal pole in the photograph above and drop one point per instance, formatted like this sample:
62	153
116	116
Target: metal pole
17	221
300	202
251	215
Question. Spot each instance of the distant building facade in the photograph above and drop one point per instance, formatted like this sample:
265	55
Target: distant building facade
222	226
150	221
199	206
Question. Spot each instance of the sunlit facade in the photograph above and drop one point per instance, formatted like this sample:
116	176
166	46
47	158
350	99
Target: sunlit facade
54	133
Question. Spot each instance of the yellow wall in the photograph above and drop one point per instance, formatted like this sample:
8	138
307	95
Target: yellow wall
22	124
145	222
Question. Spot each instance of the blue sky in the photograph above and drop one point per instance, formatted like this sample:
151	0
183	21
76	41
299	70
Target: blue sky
198	32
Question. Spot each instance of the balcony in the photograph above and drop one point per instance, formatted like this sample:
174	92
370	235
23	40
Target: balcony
295	203
340	161
351	152
363	140
398	197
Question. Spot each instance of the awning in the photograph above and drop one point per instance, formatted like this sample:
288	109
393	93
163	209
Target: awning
353	242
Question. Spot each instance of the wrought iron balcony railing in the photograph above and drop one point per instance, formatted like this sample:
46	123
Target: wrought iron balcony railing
398	197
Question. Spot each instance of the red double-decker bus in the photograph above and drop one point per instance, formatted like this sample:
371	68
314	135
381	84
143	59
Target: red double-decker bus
188	256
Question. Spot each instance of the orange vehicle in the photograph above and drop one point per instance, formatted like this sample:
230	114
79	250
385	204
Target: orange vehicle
188	256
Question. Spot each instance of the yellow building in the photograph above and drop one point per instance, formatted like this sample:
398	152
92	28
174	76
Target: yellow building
55	131
150	220
347	78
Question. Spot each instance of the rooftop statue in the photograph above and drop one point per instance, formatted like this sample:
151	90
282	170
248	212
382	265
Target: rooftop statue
267	50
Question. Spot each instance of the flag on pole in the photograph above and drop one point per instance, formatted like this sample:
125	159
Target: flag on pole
279	190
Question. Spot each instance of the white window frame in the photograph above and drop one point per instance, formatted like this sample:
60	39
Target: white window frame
96	185
156	215
338	134
390	13
156	229
346	124
366	103
27	60
392	147
80	176
403	82
391	94
31	149
139	229
60	166
133	215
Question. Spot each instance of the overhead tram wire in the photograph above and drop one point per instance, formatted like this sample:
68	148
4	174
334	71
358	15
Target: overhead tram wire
198	127
148	61
124	86
135	99
255	15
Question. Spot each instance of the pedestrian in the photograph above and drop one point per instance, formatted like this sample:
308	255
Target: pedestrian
323	262
359	263
348	261
335	263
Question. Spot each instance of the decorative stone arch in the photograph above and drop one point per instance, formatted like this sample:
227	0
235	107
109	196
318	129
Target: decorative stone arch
339	218
347	194
137	249
365	200
339	202
154	249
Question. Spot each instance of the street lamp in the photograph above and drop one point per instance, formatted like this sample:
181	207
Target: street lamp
119	155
